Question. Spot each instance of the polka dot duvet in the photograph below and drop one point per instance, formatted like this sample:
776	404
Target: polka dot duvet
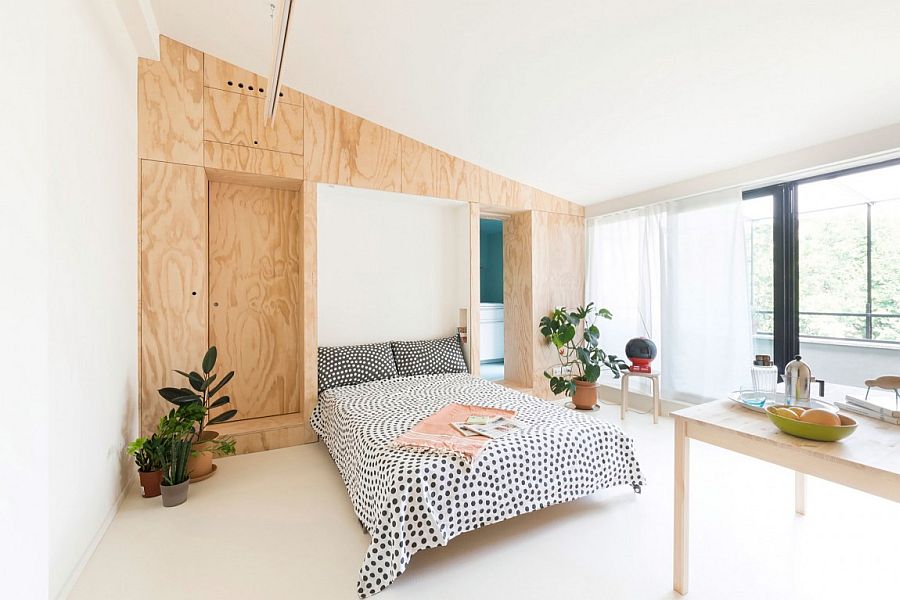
411	499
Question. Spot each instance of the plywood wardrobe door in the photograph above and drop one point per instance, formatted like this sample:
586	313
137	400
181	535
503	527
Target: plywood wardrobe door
173	285
255	306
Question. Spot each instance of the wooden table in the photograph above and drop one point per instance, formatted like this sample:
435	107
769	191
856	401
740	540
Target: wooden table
869	460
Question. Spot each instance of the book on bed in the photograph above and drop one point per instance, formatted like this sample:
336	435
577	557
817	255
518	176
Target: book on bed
495	428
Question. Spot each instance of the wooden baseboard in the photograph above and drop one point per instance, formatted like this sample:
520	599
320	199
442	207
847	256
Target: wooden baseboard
268	433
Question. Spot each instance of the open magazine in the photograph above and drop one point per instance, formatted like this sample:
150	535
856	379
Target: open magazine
493	428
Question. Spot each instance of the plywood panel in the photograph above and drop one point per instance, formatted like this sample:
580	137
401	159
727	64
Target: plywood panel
457	179
229	118
170	105
418	167
255	161
310	298
517	299
225	76
341	148
504	194
173	279
255	295
474	327
558	279
286	134
268	433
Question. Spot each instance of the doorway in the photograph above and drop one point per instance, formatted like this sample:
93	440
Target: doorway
491	308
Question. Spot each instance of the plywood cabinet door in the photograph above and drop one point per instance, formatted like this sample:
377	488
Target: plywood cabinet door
173	272
238	119
255	306
230	118
286	133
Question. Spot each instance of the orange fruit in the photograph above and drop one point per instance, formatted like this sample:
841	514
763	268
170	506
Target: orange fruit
820	416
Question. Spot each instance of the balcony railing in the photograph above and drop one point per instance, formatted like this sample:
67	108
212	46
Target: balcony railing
868	337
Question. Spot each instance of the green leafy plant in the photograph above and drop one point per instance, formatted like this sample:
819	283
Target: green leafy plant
202	392
147	453
576	337
177	430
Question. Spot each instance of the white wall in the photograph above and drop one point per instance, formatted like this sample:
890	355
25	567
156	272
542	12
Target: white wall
391	266
863	148
24	370
92	309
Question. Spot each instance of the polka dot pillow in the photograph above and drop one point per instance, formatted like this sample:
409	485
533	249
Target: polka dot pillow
429	357
350	365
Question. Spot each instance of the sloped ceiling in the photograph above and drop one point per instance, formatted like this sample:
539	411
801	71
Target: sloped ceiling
589	100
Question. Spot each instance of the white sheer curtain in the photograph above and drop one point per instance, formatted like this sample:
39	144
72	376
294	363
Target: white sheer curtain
676	273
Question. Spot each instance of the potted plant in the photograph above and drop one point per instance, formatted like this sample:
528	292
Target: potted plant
206	443
177	432
147	453
577	340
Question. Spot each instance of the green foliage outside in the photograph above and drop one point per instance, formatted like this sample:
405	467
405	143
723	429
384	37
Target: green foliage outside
833	271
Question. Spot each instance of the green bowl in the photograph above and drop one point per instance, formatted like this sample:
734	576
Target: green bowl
812	431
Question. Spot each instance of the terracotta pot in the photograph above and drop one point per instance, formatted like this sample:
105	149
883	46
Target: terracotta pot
201	465
150	481
173	495
585	397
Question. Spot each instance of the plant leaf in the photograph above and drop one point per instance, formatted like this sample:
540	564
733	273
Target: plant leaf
168	393
183	373
209	361
222	418
196	380
219	385
220	402
208	381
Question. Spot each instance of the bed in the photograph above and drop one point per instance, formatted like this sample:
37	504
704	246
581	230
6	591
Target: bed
411	499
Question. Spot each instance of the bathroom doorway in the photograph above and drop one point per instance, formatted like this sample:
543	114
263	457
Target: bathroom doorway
491	309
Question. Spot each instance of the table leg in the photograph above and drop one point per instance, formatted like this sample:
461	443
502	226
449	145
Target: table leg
799	493
682	448
624	396
655	400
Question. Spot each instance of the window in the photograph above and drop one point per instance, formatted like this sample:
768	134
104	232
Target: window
824	271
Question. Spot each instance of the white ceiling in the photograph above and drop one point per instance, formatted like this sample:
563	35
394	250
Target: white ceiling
586	99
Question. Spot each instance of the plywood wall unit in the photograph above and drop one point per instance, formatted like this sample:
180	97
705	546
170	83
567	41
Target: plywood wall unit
170	105
341	148
558	262
518	331
173	272
201	118
255	310
309	269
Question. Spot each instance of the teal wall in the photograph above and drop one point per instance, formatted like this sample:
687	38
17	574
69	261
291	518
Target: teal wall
491	261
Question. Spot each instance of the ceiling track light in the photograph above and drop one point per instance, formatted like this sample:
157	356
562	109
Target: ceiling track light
281	22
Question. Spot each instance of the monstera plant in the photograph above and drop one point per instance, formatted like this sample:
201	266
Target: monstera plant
576	337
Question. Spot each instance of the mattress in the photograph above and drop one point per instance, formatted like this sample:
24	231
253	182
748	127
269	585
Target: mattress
410	499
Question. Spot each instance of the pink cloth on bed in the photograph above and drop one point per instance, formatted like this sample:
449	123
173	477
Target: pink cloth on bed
435	432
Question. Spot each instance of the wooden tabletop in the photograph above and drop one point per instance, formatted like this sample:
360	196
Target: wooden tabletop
874	445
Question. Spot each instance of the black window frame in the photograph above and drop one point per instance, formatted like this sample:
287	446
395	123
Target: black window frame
786	257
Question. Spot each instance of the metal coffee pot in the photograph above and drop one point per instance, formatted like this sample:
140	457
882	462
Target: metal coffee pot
798	379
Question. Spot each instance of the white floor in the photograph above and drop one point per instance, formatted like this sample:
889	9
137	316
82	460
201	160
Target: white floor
279	525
